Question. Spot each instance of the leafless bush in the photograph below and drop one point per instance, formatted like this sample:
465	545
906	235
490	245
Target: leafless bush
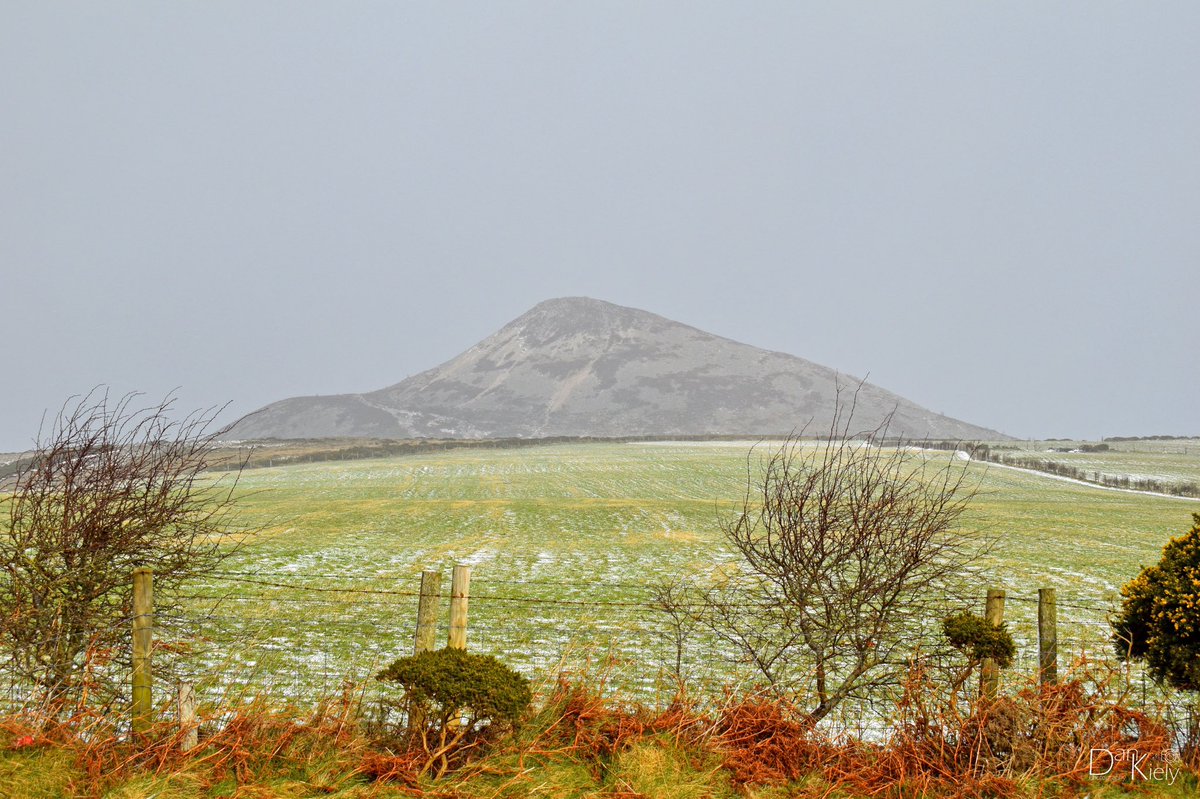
109	488
846	547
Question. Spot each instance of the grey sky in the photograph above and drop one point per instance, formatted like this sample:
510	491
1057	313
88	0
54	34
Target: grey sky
994	209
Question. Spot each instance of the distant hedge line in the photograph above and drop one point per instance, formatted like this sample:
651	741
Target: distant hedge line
1004	456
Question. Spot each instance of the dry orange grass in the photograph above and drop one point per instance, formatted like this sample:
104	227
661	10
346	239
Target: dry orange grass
1032	742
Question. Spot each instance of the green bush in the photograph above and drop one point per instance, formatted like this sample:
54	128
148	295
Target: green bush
977	638
1160	615
457	699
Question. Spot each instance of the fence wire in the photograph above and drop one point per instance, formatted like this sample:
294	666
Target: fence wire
302	634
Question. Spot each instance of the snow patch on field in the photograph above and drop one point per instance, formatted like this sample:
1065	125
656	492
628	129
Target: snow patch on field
478	556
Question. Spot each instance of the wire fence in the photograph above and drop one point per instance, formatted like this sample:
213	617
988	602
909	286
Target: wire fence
326	625
301	635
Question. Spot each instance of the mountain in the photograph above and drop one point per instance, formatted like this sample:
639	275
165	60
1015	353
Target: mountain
577	366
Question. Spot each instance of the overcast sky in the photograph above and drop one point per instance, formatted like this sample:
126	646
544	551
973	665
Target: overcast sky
991	208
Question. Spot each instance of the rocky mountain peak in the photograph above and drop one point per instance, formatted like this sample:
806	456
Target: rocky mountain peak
566	317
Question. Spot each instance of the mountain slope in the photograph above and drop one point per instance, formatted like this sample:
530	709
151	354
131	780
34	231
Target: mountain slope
577	366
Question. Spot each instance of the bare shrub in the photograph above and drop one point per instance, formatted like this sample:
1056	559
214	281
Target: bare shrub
110	487
847	549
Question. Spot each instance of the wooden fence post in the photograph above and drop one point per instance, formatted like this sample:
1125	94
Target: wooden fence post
989	671
428	607
143	641
187	717
460	591
427	612
1047	637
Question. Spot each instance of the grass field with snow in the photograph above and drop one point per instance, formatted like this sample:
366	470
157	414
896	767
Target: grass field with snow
563	541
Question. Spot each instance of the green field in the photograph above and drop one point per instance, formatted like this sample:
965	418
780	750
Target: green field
563	541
